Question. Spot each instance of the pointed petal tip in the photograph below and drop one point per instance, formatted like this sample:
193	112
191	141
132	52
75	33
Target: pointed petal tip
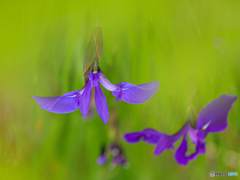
155	85
233	97
182	164
156	152
84	115
131	138
125	136
105	121
35	97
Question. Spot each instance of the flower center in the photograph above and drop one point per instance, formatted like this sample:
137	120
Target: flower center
206	125
94	78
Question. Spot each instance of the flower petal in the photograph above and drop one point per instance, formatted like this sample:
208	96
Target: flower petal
94	78
181	151
85	99
119	159
180	154
101	104
102	159
166	142
136	94
213	118
149	136
201	135
107	84
59	104
193	134
201	147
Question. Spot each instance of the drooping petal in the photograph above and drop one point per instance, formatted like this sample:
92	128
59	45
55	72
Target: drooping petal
166	142
101	104
85	99
213	118
59	104
136	94
149	136
92	110
180	154
181	151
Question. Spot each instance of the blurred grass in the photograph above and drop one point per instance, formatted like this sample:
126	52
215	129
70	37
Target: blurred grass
42	47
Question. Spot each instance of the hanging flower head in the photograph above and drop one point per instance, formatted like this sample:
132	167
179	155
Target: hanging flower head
114	153
211	119
71	101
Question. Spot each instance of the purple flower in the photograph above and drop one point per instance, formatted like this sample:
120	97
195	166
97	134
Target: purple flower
118	156
101	160
71	101
211	119
119	159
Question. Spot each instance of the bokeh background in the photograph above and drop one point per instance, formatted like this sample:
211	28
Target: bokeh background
42	47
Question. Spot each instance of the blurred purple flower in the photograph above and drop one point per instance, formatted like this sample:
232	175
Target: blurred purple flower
71	101
118	156
102	159
211	119
119	159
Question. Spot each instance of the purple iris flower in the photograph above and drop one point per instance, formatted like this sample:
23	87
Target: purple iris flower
71	101
211	119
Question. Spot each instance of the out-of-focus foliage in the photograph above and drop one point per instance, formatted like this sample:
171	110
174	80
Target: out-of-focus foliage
42	48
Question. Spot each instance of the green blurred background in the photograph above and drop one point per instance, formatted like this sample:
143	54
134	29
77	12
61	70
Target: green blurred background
42	47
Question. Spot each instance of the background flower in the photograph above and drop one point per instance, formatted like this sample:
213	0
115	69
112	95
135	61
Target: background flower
212	118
